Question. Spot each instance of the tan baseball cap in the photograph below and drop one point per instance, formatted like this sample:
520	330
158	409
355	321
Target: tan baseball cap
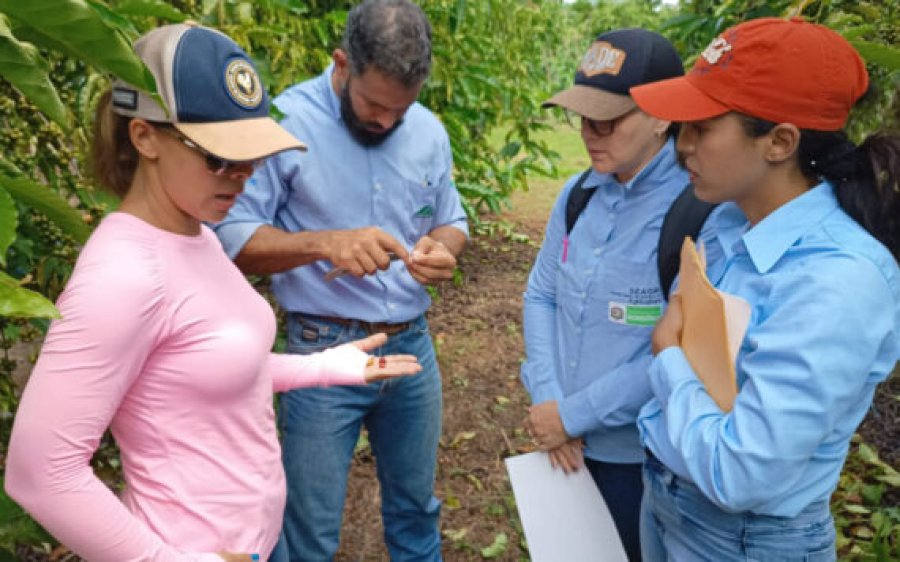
211	91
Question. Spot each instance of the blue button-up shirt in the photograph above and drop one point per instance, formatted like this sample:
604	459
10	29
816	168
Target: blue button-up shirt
590	309
824	330
403	186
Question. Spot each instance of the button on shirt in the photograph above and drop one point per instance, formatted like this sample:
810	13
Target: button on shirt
825	298
403	186
588	316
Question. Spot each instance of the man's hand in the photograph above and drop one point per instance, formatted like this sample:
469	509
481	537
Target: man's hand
545	425
667	332
569	456
431	261
362	251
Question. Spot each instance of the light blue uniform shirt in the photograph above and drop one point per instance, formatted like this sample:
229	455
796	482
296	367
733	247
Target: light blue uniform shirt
588	317
825	300
403	186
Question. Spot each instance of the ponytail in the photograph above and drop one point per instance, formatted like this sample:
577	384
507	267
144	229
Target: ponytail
865	178
114	158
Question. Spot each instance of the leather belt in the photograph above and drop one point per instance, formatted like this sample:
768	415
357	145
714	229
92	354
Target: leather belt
368	327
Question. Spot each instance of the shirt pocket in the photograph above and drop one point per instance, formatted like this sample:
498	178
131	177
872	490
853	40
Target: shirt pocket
421	204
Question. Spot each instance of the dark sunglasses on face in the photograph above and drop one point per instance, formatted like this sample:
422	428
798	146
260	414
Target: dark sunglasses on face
215	165
604	128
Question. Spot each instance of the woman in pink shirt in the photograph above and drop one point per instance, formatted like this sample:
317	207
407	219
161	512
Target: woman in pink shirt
162	340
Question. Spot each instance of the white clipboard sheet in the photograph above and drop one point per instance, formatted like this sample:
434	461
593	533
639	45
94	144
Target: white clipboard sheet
563	515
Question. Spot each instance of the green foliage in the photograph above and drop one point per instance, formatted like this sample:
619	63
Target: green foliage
44	201
151	8
868	526
496	548
23	303
23	66
81	31
489	69
8	222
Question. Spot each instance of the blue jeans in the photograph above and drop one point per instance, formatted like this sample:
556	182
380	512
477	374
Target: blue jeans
320	428
621	487
679	523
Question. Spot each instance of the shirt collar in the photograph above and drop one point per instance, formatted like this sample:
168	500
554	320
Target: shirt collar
656	168
768	240
328	93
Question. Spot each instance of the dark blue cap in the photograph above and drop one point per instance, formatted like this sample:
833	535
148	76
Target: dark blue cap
616	61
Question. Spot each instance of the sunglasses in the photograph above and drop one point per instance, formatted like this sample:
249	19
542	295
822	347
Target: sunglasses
215	165
604	128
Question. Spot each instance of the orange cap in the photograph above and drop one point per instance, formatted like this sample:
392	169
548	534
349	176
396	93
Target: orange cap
784	71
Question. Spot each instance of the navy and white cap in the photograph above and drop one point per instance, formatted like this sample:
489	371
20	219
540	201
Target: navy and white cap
616	61
211	91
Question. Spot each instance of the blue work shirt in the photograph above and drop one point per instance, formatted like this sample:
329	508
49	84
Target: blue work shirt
404	186
825	300
588	317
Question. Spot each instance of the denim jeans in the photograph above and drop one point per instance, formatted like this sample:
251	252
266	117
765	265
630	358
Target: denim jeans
621	487
320	428
679	523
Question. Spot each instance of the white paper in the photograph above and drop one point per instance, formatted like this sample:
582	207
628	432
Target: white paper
563	515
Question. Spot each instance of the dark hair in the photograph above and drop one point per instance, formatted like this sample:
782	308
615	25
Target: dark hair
394	36
113	158
865	177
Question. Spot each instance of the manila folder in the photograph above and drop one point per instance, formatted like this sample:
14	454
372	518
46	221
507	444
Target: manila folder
704	336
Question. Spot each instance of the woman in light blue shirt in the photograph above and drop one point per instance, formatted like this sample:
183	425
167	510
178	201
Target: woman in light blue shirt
808	235
593	294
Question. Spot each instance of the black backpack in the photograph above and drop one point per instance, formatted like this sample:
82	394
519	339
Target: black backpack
684	218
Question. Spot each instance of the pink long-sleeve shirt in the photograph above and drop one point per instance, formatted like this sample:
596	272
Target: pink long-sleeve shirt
163	341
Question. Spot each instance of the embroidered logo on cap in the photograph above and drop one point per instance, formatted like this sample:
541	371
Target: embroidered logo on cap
716	49
242	84
602	58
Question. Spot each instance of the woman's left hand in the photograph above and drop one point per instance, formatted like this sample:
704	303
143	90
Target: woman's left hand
386	366
545	425
667	332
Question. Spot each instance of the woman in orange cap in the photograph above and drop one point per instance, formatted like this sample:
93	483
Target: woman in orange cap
808	235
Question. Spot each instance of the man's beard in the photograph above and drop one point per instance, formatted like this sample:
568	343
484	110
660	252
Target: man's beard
359	129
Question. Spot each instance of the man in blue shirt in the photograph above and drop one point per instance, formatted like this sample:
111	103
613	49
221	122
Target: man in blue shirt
375	158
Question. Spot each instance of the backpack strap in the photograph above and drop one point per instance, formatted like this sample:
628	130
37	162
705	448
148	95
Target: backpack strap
684	218
577	201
